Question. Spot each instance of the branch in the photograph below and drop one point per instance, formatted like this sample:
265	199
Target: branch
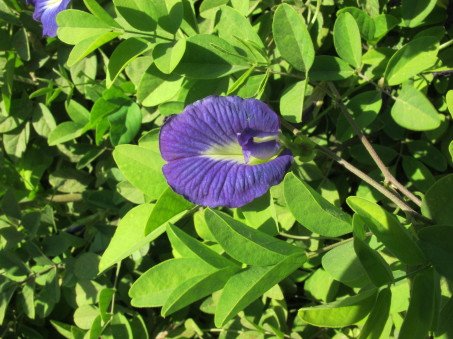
350	167
389	178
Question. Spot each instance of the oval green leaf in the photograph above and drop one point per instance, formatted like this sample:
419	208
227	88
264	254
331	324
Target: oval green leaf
245	287
437	203
142	167
388	230
313	211
420	313
129	236
412	110
292	38
436	242
346	38
340	313
247	244
413	58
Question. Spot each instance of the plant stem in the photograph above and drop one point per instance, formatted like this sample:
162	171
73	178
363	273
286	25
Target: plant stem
389	178
446	44
40	273
322	250
350	167
307	237
398	202
65	198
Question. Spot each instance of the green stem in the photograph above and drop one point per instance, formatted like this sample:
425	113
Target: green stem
446	44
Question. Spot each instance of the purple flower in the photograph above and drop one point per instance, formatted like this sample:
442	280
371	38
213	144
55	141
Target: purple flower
223	151
46	11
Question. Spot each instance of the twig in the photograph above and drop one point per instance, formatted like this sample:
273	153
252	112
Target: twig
307	237
398	202
350	167
389	178
40	273
64	198
328	248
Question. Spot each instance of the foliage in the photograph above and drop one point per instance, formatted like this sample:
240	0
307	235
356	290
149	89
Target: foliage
355	242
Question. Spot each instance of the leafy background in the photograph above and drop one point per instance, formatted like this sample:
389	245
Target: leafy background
355	243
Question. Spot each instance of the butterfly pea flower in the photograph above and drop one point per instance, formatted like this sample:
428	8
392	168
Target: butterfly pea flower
223	151
46	11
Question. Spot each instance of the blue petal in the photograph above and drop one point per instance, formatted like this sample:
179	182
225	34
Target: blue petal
46	11
209	182
205	159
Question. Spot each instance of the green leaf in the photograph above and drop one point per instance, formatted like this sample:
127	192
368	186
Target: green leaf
412	110
383	23
129	236
167	55
7	288
313	211
169	208
208	57
125	124
99	12
346	38
123	54
375	266
170	14
364	108
85	315
139	14
449	101
435	242
340	313
437	203
388	230
418	174
415	11
86	266
237	30
156	87
292	38
43	120
379	316
196	288
246	244
363	20
292	101
189	247
155	286
329	68
420	313
428	154
77	112
28	298
343	265
105	298
85	47
64	132
20	43
240	81
75	26
412	59
245	287
142	168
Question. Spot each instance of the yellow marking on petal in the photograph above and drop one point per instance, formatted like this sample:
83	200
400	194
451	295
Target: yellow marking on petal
52	3
232	152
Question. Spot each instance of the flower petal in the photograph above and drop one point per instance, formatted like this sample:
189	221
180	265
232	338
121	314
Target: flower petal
209	182
214	121
46	11
205	159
